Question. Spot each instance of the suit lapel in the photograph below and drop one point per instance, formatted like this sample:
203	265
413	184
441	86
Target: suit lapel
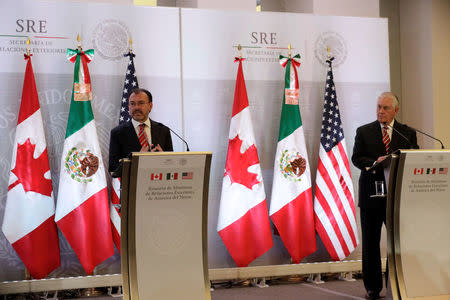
397	141
132	136
378	138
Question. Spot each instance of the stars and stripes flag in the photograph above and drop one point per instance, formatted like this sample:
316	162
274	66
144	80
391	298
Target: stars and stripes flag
129	84
334	207
291	206
243	222
82	211
29	223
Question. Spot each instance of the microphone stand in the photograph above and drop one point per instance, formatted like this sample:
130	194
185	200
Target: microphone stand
401	134
187	146
436	139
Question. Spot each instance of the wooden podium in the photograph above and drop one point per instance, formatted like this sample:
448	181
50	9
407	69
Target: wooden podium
418	221
164	225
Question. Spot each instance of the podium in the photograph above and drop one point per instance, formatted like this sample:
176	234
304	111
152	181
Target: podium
164	210
417	221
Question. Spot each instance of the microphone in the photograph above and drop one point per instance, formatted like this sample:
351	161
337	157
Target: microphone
401	134
187	146
436	139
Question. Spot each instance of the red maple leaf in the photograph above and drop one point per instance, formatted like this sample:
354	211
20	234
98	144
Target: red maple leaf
30	172
238	163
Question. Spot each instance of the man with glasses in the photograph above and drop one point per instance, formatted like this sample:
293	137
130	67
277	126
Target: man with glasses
141	134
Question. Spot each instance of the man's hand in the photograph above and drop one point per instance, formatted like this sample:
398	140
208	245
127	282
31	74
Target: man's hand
144	149
381	158
156	148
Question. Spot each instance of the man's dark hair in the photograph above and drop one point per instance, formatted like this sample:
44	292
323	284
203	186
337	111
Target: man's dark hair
139	90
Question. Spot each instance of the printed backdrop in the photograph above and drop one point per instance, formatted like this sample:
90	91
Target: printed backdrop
185	58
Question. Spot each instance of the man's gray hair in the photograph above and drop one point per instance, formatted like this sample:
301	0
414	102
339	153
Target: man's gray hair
394	98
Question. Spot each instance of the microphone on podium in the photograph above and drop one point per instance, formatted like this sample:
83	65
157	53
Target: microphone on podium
434	138
187	146
401	134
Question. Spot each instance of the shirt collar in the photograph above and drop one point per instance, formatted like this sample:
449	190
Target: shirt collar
136	123
390	125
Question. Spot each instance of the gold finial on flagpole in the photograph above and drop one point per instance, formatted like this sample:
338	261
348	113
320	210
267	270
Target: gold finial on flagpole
240	48
289	47
130	42
328	52
28	46
79	41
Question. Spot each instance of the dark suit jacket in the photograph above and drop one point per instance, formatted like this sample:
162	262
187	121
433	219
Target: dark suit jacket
368	147
124	140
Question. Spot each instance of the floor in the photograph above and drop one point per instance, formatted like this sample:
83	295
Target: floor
286	288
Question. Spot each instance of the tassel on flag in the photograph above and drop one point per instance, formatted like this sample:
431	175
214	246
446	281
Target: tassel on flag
291	206
129	84
243	222
28	222
82	211
334	207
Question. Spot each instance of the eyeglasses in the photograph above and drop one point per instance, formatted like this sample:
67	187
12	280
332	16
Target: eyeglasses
140	103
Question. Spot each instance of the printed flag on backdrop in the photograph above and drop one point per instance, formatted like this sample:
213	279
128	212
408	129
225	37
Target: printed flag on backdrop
243	222
291	206
29	223
82	211
129	84
334	207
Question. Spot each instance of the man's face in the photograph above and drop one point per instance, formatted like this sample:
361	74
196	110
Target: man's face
385	110
139	106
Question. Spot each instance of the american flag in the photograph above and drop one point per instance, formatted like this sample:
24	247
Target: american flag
129	84
334	207
114	209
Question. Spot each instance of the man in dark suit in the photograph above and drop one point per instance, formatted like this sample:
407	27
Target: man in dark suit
141	134
373	143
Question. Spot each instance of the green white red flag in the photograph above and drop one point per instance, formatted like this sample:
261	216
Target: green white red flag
243	222
82	211
29	223
291	206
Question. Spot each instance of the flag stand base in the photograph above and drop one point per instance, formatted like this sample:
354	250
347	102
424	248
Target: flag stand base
347	276
315	278
91	292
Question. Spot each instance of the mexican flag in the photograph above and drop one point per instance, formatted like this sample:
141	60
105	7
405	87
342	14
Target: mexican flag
82	211
291	206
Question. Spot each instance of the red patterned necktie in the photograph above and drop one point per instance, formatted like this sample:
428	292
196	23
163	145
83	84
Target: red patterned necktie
386	139
142	135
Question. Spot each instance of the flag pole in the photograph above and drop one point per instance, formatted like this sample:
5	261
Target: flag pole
27	272
328	52
79	42
130	42
89	292
289	47
28	46
239	49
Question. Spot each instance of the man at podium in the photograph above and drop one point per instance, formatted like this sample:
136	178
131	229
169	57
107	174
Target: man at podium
140	134
373	143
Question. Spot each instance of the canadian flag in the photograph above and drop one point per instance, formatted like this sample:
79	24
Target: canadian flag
29	223
243	222
156	176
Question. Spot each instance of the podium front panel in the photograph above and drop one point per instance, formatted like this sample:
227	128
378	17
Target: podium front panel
422	222
167	226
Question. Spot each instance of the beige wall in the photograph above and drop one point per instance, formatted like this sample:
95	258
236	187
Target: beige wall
425	47
417	77
440	25
358	8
